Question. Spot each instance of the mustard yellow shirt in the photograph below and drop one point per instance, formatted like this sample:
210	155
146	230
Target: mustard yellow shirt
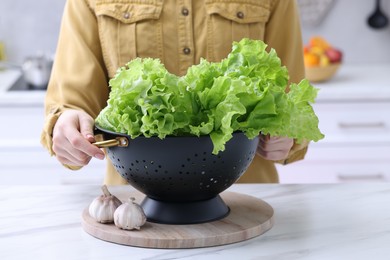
99	36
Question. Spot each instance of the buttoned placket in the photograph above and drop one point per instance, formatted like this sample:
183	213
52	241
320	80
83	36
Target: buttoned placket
185	33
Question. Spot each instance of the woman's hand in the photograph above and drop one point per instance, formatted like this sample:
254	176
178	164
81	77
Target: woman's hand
72	138
274	148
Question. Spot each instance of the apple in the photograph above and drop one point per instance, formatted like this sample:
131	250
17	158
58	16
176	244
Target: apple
334	55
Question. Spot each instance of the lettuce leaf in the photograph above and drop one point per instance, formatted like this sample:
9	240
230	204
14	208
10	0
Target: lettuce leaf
244	92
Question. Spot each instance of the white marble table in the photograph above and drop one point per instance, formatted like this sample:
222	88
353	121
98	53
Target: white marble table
331	221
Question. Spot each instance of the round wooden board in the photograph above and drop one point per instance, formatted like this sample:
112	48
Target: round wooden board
249	217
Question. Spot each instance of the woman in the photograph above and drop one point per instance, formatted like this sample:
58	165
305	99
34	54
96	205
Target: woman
99	36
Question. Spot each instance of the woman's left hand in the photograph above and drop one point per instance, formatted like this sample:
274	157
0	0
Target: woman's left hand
274	148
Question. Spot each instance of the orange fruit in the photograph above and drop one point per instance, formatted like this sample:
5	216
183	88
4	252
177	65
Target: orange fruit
318	41
306	49
311	60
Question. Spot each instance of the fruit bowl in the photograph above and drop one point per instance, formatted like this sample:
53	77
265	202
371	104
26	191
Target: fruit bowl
321	73
322	60
180	176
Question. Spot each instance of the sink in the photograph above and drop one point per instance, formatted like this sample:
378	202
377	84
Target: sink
14	90
8	78
21	85
13	80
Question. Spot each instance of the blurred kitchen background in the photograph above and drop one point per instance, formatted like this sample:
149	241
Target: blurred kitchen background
351	151
28	27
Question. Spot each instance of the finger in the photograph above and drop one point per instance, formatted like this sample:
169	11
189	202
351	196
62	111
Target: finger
86	127
273	155
276	143
73	157
71	161
80	144
274	146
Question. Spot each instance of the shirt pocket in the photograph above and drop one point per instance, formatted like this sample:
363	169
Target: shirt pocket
230	21
129	29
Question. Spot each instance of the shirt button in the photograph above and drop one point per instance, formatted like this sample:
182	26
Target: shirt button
240	15
126	15
185	11
186	51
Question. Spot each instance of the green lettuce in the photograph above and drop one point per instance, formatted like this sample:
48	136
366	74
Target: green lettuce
244	92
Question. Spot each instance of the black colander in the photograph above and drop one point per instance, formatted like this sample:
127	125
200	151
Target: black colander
180	176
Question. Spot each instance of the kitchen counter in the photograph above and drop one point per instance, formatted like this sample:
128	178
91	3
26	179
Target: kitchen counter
17	97
324	221
356	83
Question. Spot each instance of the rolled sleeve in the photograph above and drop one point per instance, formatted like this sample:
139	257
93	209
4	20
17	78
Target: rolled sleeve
47	131
79	79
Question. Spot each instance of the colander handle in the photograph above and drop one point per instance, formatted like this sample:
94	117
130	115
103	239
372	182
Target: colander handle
119	141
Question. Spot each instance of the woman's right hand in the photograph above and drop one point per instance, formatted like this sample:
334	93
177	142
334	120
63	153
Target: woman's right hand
72	138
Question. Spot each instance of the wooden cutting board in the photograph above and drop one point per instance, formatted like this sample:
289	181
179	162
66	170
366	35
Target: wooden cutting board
249	217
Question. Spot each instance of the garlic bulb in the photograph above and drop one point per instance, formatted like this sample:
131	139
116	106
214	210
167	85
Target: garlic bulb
129	215
103	207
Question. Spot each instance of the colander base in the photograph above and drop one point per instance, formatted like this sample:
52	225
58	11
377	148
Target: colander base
195	212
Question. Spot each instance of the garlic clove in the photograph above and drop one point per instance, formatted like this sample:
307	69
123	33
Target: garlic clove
129	216
103	207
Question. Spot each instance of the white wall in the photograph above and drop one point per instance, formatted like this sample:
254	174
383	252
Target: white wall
28	26
346	27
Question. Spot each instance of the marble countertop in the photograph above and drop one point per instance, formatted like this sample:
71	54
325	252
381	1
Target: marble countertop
322	221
